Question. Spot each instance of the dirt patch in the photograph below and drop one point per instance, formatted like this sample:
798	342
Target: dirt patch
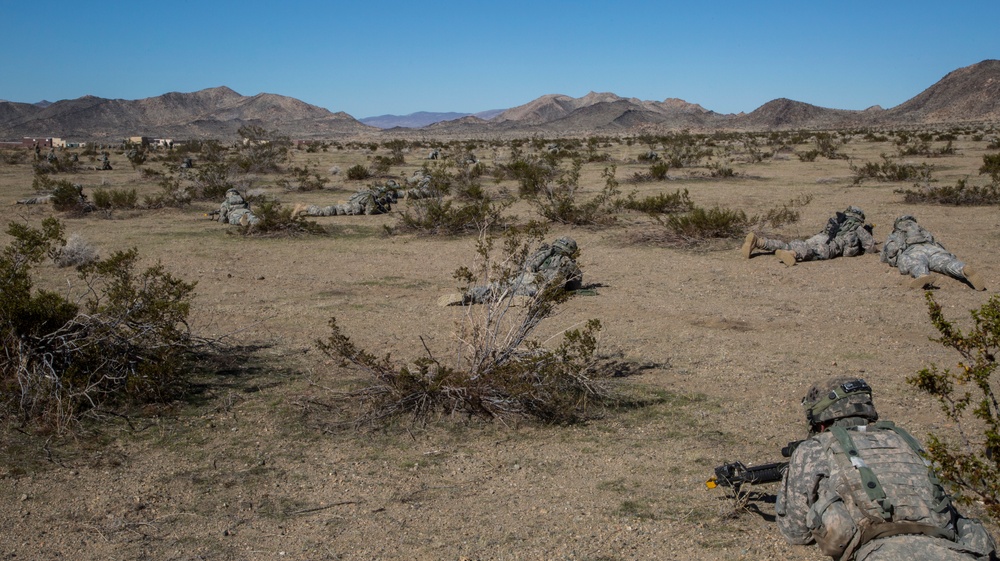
257	466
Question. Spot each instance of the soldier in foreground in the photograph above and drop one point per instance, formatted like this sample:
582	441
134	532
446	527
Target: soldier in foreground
914	251
846	234
549	264
862	490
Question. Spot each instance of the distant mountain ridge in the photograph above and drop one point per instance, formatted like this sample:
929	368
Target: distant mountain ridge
966	95
209	113
422	119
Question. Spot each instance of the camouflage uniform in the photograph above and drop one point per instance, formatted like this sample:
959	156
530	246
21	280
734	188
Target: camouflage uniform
845	235
373	200
550	263
915	252
236	210
832	496
39	200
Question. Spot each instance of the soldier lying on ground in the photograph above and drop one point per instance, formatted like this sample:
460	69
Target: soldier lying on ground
862	489
236	210
845	234
913	250
549	264
376	199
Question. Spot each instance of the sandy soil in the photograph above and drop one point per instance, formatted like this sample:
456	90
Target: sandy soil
256	470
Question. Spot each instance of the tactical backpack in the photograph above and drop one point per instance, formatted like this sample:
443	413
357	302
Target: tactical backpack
880	486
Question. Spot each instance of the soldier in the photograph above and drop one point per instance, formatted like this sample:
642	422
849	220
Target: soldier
105	163
845	234
913	250
236	210
376	199
862	490
549	264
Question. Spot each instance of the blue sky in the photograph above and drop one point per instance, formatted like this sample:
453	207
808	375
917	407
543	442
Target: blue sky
376	57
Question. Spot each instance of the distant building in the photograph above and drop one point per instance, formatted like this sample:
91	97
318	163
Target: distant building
31	142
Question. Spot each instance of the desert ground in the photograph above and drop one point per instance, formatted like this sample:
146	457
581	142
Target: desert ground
256	468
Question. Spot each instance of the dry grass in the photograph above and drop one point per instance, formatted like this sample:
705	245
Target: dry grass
247	470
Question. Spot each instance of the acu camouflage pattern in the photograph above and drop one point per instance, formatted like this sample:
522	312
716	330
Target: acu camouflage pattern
549	264
235	210
845	235
915	252
822	499
377	199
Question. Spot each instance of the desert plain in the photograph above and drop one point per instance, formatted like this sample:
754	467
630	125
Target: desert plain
255	466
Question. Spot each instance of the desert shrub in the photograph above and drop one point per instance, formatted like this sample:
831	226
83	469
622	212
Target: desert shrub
261	151
358	172
808	156
661	203
69	198
498	371
783	215
75	253
277	221
960	194
913	146
991	166
967	398
172	194
439	217
558	202
212	180
532	174
115	199
658	170
697	227
889	170
127	343
303	179
13	157
993	144
720	169
827	147
701	223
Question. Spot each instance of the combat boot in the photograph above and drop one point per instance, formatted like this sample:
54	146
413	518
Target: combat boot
974	278
751	243
922	282
786	256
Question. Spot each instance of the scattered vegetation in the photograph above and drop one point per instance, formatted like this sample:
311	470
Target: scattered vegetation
967	398
498	371
960	194
128	342
275	220
358	172
661	203
888	170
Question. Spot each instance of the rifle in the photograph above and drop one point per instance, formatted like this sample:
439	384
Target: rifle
212	214
736	474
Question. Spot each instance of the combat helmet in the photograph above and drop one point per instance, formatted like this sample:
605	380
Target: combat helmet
565	245
837	398
855	212
903	219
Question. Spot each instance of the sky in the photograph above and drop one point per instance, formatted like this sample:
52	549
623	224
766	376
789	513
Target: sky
373	57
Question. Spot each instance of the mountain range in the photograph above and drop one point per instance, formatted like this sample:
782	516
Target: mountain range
966	95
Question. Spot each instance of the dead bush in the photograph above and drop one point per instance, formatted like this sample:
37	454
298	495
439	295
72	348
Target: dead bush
498	371
77	252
